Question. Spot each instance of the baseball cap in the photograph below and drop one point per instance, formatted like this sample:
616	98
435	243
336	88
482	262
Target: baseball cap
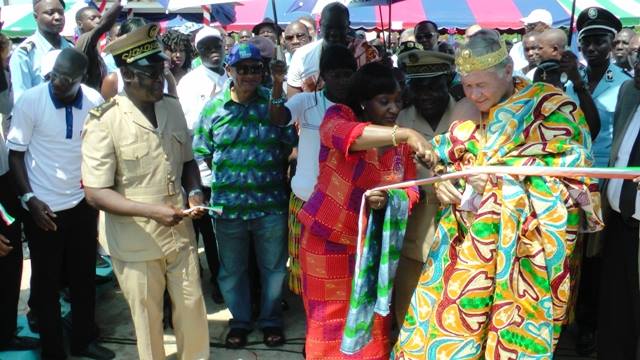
267	47
538	15
206	32
240	52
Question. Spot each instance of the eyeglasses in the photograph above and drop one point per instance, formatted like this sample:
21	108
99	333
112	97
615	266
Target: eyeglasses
54	76
154	75
249	69
300	36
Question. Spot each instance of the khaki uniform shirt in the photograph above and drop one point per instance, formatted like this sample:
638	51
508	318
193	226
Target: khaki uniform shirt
422	225
122	150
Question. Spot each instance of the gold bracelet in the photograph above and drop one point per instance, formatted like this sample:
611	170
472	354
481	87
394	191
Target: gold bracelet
393	135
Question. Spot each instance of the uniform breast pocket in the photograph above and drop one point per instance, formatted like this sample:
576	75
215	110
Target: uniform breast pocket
135	159
178	140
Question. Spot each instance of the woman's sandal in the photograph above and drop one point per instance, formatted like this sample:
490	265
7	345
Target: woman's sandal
236	338
273	336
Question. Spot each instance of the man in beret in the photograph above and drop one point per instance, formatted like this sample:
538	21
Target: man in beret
428	75
136	163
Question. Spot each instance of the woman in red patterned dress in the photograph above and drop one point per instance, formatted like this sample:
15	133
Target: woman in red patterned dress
361	148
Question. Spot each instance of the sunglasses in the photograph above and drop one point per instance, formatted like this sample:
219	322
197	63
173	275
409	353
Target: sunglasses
249	69
54	76
300	36
153	75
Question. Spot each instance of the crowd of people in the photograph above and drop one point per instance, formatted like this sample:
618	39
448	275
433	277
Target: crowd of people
262	144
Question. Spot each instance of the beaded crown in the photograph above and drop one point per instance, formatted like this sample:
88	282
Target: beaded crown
467	62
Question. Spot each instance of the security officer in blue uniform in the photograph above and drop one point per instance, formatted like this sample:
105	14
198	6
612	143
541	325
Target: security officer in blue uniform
26	59
601	79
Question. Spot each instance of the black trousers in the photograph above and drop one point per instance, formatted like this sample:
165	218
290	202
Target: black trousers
204	227
619	303
11	264
69	251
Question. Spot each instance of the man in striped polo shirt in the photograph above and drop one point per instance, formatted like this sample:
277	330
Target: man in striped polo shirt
247	156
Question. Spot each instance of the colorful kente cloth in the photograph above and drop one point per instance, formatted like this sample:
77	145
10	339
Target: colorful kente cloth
496	283
295	229
330	231
376	264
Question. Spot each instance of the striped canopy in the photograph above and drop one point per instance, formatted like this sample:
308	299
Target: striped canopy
460	14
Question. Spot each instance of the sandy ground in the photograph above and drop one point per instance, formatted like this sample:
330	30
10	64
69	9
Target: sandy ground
114	319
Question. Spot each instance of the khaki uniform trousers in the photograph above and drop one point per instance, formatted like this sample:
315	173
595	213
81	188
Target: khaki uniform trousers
143	284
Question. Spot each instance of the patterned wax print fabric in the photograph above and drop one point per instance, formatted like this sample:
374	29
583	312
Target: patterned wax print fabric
295	230
248	156
330	226
496	283
332	210
376	263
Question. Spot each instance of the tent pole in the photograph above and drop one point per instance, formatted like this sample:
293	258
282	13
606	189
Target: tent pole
384	42
389	32
573	13
275	19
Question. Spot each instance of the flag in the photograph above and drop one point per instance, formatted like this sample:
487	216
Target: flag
206	15
224	14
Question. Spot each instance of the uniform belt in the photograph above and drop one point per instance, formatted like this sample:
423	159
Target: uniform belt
150	190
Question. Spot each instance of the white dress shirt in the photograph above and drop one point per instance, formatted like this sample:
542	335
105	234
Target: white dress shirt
615	185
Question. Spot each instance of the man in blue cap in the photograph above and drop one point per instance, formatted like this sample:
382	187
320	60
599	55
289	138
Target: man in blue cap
248	157
601	80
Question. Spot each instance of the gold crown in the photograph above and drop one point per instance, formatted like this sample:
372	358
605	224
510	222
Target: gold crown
466	62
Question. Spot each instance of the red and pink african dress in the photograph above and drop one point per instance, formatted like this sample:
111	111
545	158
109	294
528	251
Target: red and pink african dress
330	229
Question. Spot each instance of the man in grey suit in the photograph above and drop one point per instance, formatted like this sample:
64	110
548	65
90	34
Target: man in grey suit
619	312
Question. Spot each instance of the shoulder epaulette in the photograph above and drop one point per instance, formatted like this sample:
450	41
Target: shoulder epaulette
97	112
27	46
627	73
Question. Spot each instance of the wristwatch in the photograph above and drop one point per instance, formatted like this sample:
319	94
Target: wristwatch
24	199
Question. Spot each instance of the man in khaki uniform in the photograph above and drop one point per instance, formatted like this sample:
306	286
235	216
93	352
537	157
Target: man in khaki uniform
429	74
136	161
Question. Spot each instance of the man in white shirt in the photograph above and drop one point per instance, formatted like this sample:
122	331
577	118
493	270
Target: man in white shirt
45	157
305	63
619	301
194	90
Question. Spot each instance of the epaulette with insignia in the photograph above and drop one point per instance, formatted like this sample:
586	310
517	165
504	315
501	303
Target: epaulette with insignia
98	111
27	46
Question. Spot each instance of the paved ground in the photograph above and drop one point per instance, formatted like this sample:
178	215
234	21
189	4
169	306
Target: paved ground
117	330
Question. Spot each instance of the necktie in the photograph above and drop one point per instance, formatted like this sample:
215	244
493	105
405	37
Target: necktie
629	188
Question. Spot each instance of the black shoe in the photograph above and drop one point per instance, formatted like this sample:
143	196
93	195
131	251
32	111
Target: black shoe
20	343
32	321
216	294
586	343
95	351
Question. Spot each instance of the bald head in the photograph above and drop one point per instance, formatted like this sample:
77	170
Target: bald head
71	62
551	44
621	47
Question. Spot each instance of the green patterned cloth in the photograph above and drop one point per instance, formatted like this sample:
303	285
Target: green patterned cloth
376	264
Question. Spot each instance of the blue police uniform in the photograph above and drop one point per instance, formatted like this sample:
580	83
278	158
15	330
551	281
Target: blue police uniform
605	96
25	62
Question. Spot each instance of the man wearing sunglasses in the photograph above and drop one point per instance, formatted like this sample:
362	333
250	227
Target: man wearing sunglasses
136	165
248	156
44	156
296	35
